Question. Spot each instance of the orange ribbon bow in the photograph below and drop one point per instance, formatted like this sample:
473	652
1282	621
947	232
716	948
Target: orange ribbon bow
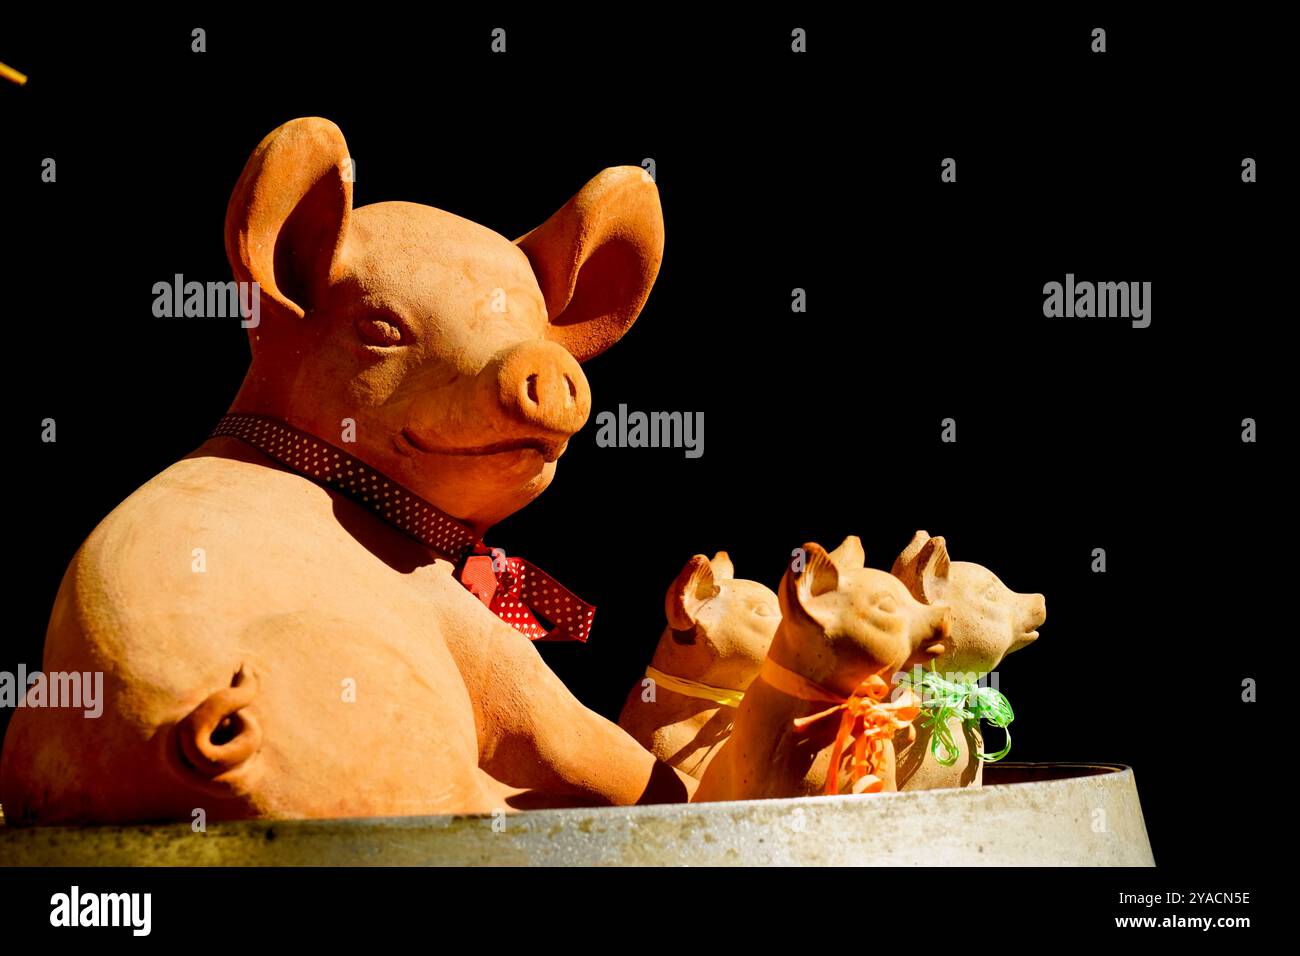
867	719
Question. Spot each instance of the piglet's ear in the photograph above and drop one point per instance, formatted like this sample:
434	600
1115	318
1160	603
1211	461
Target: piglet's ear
687	594
849	556
908	555
288	216
597	258
926	572
906	568
723	569
801	589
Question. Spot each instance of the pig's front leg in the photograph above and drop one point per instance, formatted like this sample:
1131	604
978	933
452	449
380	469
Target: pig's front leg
534	734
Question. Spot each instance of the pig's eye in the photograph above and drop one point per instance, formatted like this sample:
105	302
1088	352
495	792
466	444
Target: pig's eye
886	605
379	332
992	593
763	610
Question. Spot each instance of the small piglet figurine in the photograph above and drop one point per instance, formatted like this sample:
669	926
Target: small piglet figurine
989	621
719	629
820	717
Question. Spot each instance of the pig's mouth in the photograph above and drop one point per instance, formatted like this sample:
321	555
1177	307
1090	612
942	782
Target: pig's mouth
549	450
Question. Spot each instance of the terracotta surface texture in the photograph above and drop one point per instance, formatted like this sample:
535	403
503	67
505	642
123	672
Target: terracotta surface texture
989	621
719	629
321	663
845	630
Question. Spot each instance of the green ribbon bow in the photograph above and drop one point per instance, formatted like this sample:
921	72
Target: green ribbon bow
944	699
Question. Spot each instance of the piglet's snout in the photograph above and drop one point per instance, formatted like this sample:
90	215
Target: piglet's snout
1035	608
541	387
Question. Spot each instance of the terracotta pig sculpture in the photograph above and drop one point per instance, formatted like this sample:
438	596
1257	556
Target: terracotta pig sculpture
821	715
989	621
282	619
719	629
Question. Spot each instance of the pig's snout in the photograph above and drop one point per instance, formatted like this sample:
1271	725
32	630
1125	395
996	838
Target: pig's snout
530	395
1033	615
1035	611
541	387
219	735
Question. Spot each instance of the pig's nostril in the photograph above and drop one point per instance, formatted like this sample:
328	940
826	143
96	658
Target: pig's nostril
532	388
573	388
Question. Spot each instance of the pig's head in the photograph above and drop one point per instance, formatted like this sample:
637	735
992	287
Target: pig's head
989	620
719	626
454	350
842	622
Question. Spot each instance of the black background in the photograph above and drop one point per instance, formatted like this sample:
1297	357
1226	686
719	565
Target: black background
775	171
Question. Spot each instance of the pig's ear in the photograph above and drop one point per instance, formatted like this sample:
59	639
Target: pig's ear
908	555
849	555
687	594
288	216
906	568
596	259
723	569
800	590
927	575
934	564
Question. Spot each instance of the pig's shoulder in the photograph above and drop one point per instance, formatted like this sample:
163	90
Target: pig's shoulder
211	546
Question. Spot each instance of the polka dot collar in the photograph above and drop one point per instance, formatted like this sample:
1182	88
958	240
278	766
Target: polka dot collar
515	590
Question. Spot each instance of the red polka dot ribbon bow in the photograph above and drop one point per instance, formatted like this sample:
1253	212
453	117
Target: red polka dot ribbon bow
525	597
515	590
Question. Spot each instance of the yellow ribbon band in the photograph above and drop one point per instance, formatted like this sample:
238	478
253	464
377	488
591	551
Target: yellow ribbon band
690	688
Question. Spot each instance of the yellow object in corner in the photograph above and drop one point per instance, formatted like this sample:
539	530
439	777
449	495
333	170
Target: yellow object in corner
9	73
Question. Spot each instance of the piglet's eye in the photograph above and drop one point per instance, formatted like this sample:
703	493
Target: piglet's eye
992	593
378	332
886	605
